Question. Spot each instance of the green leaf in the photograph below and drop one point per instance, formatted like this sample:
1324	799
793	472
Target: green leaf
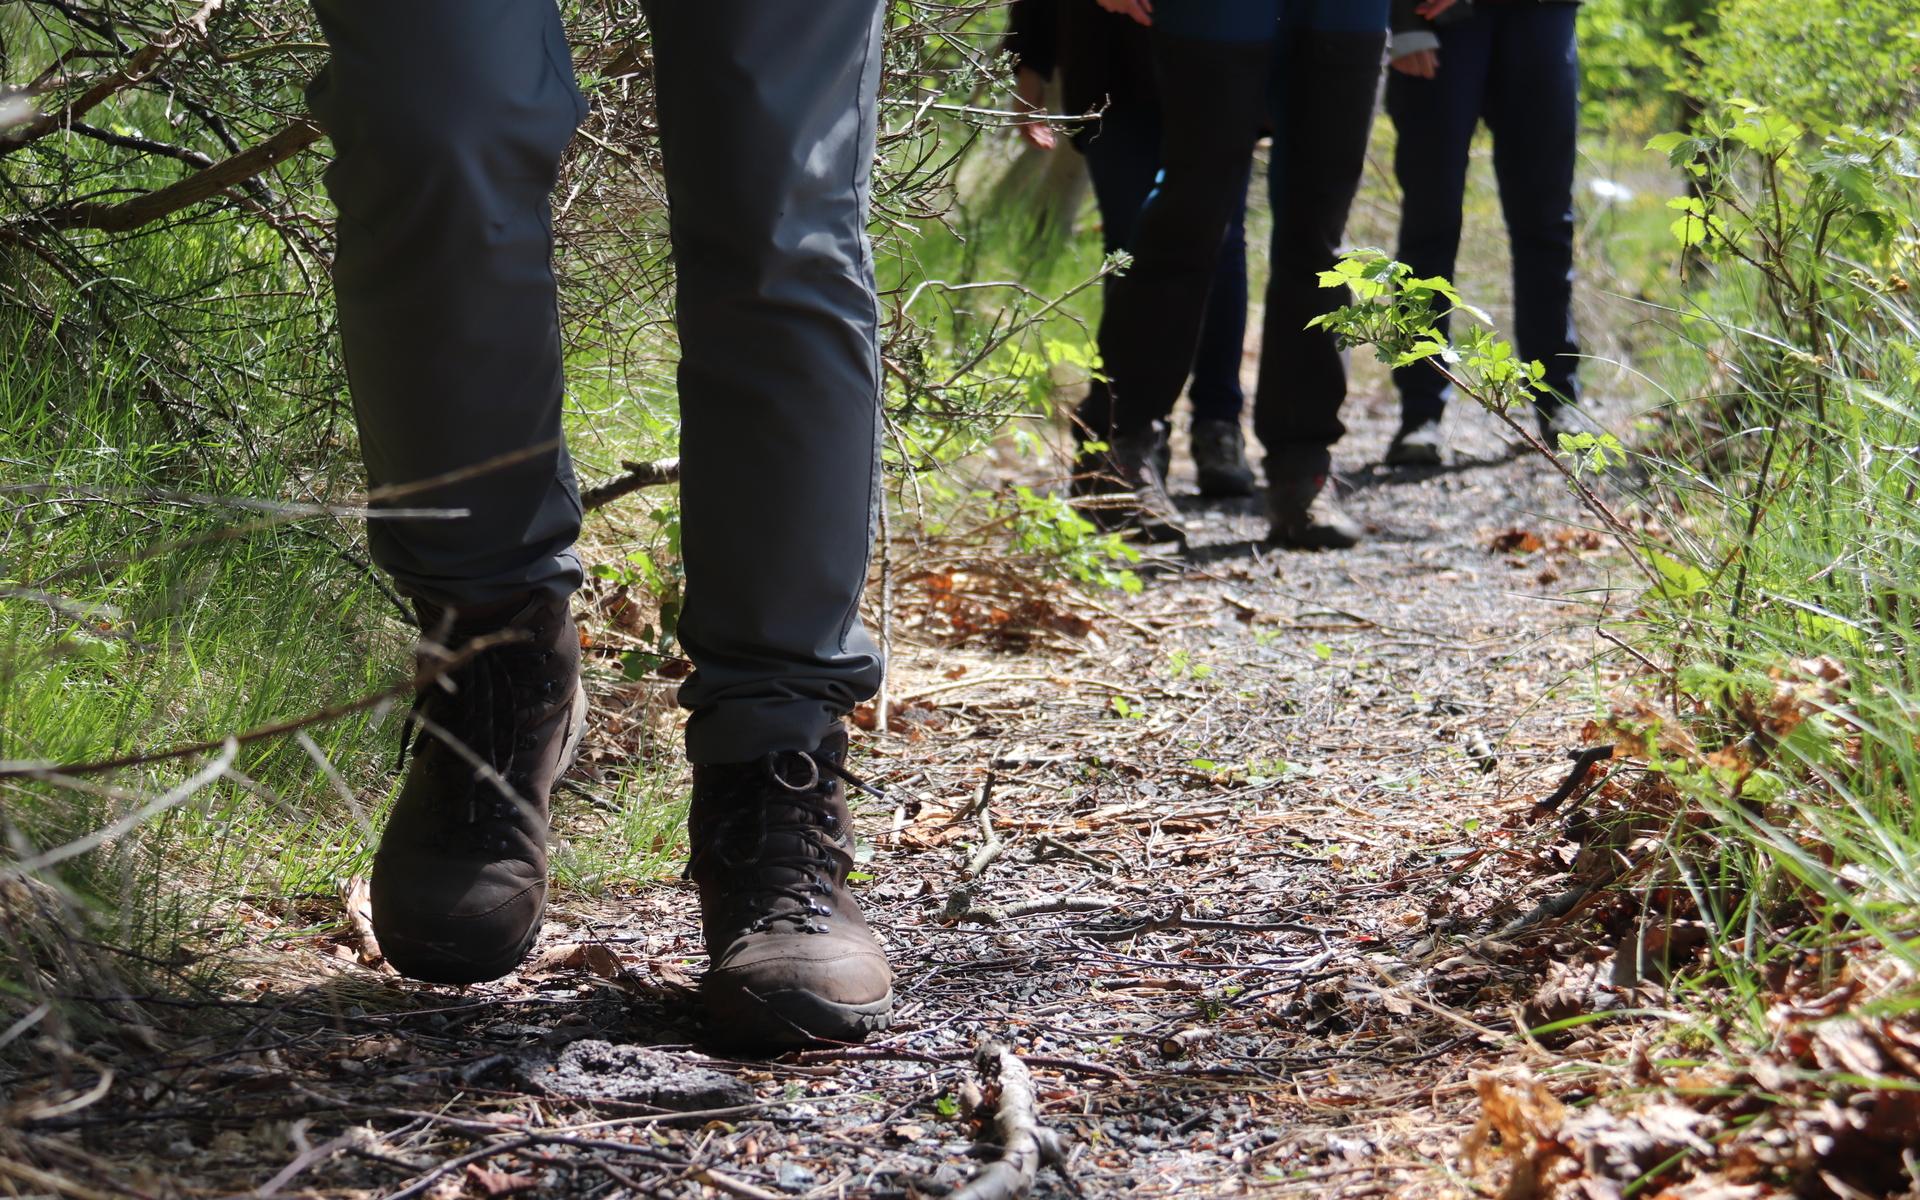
1679	580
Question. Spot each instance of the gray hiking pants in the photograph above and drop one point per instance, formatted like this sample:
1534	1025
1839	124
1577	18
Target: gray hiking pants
448	120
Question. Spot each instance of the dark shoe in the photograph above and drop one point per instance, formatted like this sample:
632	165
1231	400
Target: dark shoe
1133	462
791	958
460	879
1220	458
1303	511
1417	444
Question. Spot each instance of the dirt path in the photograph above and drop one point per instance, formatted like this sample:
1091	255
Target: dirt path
1246	848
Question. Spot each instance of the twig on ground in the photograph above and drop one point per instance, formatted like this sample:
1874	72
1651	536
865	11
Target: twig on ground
35	1177
1583	761
357	899
638	475
1024	1143
1046	842
993	914
991	845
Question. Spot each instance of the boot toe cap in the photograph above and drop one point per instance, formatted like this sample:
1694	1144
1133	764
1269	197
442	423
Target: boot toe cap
453	922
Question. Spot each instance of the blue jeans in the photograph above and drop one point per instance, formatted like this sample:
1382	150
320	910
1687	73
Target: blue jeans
1123	161
1227	70
1516	67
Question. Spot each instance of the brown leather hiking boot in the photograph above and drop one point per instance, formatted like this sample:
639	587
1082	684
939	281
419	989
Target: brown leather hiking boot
1302	510
1131	488
460	879
791	958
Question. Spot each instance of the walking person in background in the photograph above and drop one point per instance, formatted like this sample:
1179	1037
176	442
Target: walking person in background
1105	64
449	119
1228	70
1515	65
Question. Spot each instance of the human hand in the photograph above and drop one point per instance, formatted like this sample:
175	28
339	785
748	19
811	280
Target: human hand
1421	64
1030	95
1142	10
1429	9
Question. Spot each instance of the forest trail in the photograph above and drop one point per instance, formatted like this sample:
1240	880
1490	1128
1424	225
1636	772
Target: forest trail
1246	852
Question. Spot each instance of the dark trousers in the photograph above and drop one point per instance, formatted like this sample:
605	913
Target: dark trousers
448	120
1226	71
1516	67
1123	161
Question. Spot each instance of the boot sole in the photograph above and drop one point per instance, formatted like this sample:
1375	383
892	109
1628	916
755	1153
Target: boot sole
1312	541
434	967
1225	487
790	1018
1413	456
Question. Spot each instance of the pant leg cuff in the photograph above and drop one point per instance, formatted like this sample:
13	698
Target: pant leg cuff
737	732
1418	410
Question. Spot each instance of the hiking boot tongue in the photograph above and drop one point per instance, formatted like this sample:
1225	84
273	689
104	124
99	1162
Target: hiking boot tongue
780	853
790	957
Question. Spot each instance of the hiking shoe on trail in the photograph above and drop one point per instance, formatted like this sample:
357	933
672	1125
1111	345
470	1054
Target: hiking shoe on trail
1220	459
791	960
1304	515
1128	479
460	879
1418	444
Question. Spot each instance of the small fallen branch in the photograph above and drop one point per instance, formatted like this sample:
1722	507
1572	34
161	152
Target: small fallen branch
638	475
961	909
1025	1144
1583	763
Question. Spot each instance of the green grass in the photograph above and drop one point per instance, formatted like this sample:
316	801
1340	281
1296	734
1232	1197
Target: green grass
148	599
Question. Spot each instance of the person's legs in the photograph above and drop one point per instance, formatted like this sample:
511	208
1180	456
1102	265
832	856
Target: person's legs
767	124
1218	445
1123	159
448	120
1211	113
767	121
1533	109
1212	107
1326	73
1434	120
1216	392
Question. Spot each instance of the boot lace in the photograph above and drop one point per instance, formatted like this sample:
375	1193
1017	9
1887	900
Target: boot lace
477	714
780	840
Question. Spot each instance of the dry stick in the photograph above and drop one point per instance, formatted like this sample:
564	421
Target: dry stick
138	67
35	1177
307	1158
164	202
283	514
880	703
52	771
897	1054
133	820
638	475
732	1186
1024	1142
991	847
